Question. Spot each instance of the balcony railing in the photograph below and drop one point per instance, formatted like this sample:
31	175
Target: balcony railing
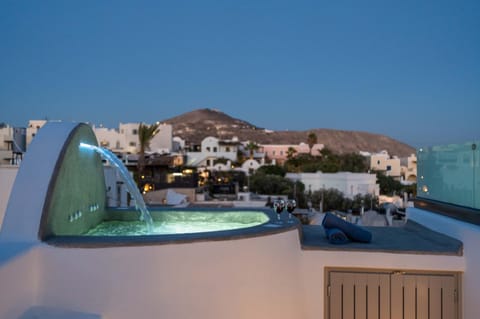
450	174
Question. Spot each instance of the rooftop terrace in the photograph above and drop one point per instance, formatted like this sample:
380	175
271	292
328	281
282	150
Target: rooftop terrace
278	271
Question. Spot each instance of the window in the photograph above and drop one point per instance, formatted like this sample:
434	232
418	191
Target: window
208	148
227	149
132	144
134	131
215	149
389	167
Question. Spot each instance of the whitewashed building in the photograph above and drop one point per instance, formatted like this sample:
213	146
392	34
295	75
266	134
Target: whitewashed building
125	139
279	152
212	149
251	165
383	162
32	129
409	168
6	138
109	138
350	184
162	142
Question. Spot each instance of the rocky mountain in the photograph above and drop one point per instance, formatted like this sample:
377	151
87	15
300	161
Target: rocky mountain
194	126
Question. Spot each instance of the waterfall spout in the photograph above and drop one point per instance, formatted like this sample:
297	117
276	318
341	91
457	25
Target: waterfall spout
127	179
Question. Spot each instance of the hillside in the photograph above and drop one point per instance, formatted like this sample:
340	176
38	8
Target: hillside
194	126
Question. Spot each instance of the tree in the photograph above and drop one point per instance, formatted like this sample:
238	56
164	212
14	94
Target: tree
270	184
240	157
311	140
252	147
291	152
272	170
332	198
354	163
326	152
145	136
411	190
388	186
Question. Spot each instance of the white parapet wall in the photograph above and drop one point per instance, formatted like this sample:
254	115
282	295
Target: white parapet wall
469	234
19	277
244	278
314	263
258	277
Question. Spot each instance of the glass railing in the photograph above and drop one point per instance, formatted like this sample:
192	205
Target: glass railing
450	174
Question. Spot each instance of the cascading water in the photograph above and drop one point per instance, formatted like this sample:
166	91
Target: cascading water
127	179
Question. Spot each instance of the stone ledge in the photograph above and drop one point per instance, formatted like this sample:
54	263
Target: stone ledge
412	238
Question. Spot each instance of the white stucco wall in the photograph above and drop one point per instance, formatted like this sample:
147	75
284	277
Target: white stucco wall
249	165
33	128
350	184
162	141
212	148
383	162
7	177
19	276
313	263
260	277
120	139
244	278
469	234
109	138
127	130
6	134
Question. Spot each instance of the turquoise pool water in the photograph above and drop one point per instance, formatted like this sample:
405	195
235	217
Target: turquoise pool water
182	222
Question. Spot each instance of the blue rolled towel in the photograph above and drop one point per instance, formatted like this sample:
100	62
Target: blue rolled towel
336	236
353	232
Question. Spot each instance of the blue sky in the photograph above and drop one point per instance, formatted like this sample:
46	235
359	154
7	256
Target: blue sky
406	69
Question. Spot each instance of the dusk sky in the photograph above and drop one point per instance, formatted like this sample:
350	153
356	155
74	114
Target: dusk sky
406	69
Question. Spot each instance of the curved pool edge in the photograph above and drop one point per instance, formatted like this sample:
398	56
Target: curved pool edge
269	228
148	240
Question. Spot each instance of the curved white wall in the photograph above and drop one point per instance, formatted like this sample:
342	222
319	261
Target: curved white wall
22	217
19	276
469	234
244	278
